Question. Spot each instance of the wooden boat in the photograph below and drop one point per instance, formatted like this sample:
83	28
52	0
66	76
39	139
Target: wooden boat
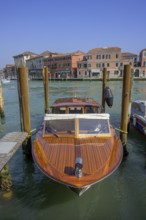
138	115
76	144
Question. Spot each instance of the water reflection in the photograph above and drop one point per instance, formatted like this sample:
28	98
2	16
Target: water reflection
120	196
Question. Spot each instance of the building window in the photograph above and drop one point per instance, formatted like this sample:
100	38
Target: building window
117	55
115	72
97	64
98	57
85	65
102	56
116	64
103	65
89	57
144	54
108	65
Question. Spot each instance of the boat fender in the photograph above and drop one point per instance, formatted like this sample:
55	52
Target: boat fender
134	121
108	95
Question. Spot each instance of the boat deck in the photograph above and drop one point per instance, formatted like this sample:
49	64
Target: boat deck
56	155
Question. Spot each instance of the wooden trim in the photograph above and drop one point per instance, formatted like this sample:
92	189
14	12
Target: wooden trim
76	127
44	126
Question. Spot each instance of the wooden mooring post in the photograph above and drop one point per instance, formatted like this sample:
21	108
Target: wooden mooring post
103	88
126	96
22	79
46	89
2	114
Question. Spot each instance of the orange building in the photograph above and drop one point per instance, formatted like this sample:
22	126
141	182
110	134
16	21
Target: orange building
64	65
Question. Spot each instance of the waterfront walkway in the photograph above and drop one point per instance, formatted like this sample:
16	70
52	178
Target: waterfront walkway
9	144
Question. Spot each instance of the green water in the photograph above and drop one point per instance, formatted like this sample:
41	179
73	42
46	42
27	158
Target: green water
122	196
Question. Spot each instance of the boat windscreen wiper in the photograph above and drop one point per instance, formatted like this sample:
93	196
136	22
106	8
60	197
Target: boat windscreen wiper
52	131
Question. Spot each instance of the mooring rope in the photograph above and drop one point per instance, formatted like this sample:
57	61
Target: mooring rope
125	132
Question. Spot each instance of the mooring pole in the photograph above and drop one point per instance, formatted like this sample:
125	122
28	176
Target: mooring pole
24	106
46	89
103	88
126	95
2	114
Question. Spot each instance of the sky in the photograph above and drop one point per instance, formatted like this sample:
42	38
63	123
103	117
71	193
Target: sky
69	25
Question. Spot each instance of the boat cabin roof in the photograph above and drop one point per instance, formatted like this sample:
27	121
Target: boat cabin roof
74	101
76	125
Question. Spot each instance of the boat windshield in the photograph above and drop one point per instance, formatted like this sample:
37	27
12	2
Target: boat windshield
60	127
93	126
77	126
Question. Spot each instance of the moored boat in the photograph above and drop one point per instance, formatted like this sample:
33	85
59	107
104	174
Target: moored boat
76	145
138	115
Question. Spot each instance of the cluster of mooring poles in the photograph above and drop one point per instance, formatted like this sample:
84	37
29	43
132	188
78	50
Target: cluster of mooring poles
23	94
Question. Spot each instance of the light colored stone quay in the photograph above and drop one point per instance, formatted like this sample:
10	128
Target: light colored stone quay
9	144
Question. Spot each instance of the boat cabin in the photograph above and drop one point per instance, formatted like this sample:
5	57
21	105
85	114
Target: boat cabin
75	106
76	125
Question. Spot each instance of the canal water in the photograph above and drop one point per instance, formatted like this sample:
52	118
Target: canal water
122	196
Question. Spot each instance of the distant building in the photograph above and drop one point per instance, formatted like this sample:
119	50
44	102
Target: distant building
10	71
98	58
128	58
142	60
20	59
64	65
79	64
35	64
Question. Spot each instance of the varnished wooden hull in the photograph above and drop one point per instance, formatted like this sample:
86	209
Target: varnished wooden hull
55	156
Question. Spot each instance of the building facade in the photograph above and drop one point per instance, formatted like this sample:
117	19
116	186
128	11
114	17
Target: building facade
20	59
111	58
64	65
80	64
142	60
36	64
35	67
10	71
